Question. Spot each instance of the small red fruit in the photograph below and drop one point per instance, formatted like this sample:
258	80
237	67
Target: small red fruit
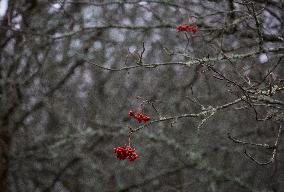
139	116
124	152
131	113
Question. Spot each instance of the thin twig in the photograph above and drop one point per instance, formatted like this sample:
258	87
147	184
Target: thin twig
189	63
212	113
274	153
246	98
257	23
141	54
249	143
187	115
269	72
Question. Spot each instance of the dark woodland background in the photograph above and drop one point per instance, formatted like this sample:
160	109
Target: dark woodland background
71	70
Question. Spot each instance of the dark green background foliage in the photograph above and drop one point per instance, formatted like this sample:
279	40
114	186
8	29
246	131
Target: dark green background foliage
70	72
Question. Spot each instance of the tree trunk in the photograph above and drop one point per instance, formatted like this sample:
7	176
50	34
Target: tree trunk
5	140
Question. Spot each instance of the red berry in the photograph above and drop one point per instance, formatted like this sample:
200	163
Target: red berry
139	116
133	156
146	118
125	152
131	113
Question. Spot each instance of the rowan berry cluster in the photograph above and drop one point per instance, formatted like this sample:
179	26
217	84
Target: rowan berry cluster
127	152
139	116
186	27
124	152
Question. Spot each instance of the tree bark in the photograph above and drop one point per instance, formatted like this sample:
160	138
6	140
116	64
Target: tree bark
5	141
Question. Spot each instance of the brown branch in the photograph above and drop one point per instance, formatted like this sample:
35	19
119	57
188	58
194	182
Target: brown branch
189	63
260	37
165	3
246	98
141	54
274	153
113	26
269	72
187	115
151	65
249	143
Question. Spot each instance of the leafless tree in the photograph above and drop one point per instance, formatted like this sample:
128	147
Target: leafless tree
70	71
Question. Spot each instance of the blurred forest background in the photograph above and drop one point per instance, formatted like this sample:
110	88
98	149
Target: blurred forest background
70	70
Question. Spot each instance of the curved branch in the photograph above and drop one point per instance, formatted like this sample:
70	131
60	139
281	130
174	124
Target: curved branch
274	147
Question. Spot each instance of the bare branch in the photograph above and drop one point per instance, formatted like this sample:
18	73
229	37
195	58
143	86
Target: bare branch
141	54
249	143
274	147
187	115
151	65
188	64
260	37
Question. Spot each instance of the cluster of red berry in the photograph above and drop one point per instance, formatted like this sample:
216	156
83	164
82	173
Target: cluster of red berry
186	27
125	152
139	116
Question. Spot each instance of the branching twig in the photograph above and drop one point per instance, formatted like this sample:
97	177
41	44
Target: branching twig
151	65
211	112
269	72
187	115
187	64
246	98
274	147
